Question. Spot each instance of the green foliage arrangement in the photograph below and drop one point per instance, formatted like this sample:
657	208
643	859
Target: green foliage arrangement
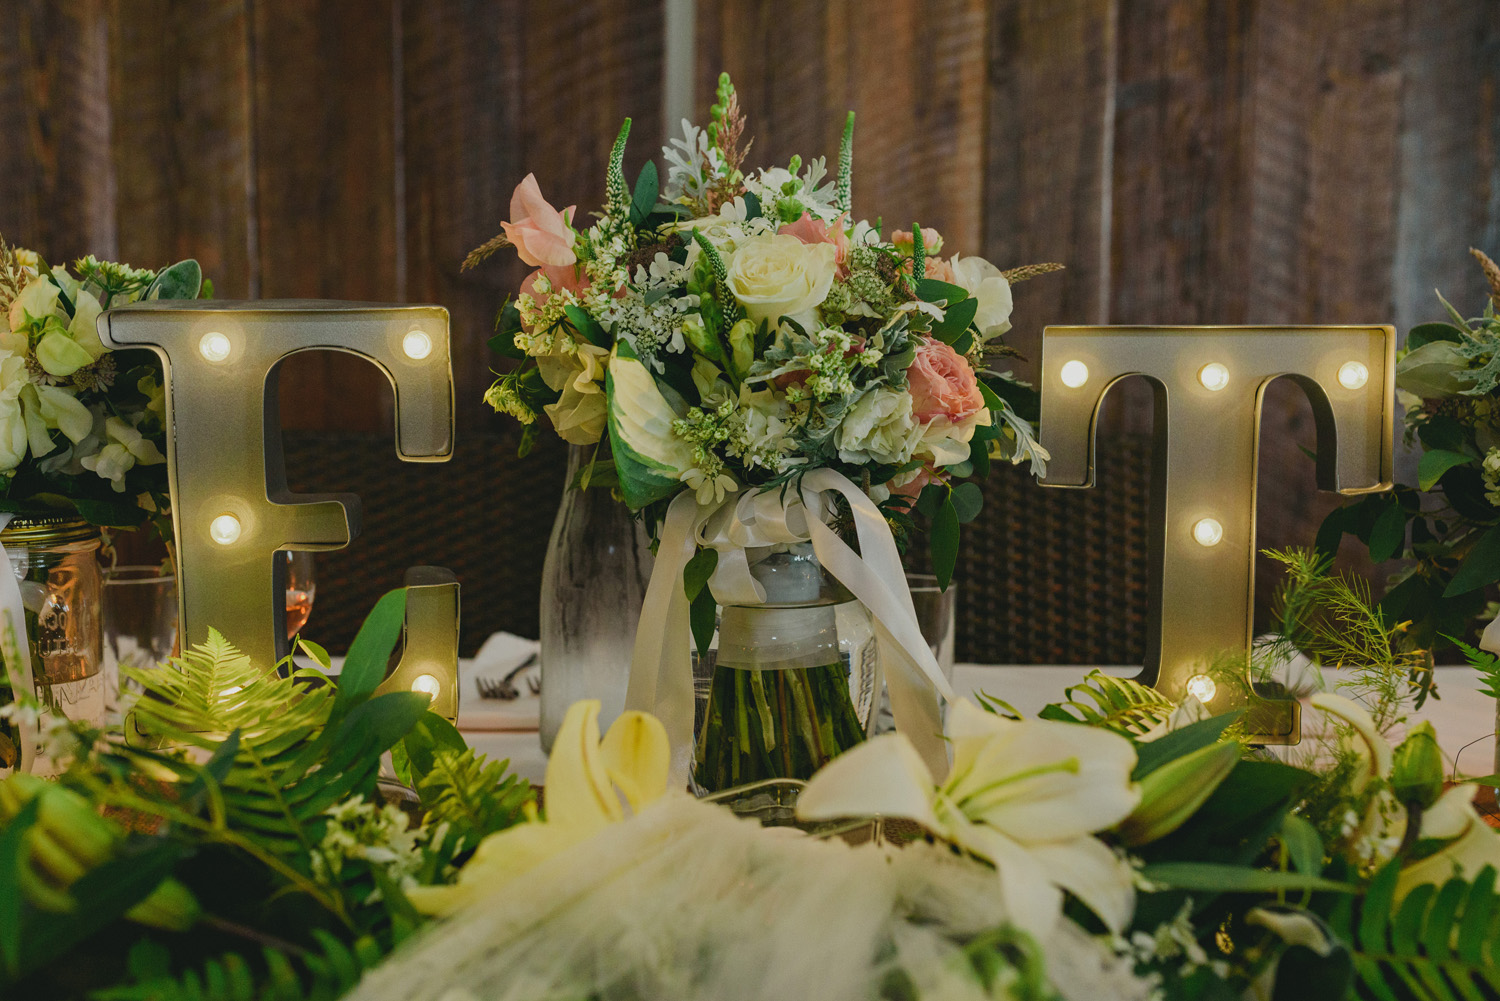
1448	523
231	841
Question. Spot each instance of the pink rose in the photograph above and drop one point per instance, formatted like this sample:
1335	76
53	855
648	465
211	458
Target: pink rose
538	231
570	277
942	384
810	229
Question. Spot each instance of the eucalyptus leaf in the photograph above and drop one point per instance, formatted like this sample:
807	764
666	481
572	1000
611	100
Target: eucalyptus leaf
955	321
182	280
945	543
644	199
932	290
967	499
587	326
697	572
702	615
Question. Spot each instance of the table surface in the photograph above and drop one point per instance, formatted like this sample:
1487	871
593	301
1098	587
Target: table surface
1463	717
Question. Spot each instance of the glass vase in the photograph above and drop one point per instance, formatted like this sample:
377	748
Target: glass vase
791	683
56	563
593	583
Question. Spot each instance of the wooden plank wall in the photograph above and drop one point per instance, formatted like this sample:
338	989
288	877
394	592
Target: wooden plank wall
1191	161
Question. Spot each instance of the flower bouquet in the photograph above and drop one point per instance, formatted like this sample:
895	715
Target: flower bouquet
773	377
82	427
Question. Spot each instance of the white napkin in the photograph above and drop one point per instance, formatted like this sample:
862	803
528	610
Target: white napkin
500	654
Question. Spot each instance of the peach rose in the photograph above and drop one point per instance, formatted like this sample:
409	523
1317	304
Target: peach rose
810	229
940	270
942	384
538	231
905	241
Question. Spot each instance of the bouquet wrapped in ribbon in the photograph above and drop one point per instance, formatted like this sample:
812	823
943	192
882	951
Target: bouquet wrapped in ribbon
776	381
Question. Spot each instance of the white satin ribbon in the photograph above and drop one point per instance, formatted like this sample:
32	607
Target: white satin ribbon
661	675
13	610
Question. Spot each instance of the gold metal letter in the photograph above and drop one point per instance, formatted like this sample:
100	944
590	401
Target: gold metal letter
429	661
231	509
1208	384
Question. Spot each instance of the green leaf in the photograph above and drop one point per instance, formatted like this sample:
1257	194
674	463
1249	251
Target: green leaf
955	321
13	855
1426	333
1480	568
110	514
587	326
1303	845
370	653
1217	877
932	290
1388	536
1151	755
979	455
316	652
182	280
967	499
753	208
1331	532
643	201
697	572
1437	462
945	543
1443	432
702	614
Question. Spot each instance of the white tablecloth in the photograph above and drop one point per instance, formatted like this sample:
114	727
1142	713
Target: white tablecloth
1464	719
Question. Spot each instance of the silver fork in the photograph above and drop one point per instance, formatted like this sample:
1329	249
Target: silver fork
505	688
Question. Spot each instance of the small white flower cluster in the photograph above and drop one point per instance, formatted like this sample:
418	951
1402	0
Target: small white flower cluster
380	835
1172	940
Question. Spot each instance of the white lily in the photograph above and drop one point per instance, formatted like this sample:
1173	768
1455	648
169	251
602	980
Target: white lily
586	779
1027	796
1472	844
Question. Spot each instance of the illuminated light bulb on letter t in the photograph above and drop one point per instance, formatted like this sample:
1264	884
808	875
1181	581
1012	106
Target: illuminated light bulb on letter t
1203	487
231	509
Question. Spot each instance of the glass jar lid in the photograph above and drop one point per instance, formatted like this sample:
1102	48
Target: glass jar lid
47	529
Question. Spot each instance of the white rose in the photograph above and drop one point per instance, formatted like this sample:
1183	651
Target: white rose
879	428
579	414
984	282
126	447
780	276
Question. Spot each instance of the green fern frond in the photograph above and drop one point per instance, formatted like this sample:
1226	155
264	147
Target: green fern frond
1439	942
1118	704
214	689
843	192
324	975
475	796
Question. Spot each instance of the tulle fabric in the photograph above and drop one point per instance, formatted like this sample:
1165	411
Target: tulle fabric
684	901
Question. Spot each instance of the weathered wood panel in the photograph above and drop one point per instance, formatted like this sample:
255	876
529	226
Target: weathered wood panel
56	186
490	93
325	187
180	103
912	72
1319	242
1048	145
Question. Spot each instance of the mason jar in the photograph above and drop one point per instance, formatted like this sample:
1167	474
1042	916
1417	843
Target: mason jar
56	562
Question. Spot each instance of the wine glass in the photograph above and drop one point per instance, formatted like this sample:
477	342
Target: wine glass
300	588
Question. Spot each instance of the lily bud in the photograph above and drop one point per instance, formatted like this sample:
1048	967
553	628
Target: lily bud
1417	767
742	344
1173	793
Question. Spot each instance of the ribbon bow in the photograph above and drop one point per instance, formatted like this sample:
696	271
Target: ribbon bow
661	676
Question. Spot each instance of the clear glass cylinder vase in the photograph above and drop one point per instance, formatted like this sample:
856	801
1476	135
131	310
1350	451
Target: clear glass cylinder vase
593	583
791	683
